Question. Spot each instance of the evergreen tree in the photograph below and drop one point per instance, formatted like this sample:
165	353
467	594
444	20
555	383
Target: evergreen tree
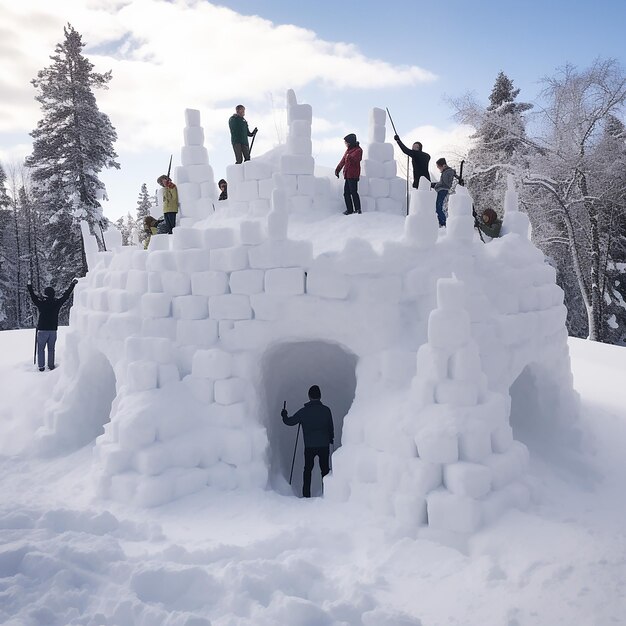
144	204
500	142
73	141
6	256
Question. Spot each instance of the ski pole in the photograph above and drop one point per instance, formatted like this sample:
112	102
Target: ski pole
252	143
395	132
294	454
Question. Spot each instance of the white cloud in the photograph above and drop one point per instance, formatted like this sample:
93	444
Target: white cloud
166	56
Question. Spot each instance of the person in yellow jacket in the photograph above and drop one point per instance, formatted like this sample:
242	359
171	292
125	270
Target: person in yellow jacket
150	228
170	201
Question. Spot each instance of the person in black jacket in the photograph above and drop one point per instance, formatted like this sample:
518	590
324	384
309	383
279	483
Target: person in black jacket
419	158
319	433
48	321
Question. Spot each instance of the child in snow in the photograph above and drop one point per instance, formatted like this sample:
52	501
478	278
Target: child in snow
443	188
351	165
150	225
223	185
318	432
48	321
170	201
490	224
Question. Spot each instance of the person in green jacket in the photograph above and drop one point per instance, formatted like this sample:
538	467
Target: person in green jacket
239	134
490	224
170	201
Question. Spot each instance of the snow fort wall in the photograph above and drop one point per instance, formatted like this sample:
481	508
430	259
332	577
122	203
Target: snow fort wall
431	331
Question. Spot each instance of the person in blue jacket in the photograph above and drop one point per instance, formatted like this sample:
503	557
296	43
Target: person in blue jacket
318	431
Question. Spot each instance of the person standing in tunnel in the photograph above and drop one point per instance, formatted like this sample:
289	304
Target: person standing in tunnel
319	433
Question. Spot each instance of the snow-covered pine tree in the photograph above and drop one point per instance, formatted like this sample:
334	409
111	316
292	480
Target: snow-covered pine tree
500	142
144	205
6	258
128	227
74	140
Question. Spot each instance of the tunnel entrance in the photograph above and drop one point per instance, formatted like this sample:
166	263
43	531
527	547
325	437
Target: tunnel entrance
289	369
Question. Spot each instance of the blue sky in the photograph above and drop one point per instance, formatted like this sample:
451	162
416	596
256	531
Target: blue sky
342	57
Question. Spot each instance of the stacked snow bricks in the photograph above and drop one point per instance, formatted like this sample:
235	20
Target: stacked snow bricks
441	326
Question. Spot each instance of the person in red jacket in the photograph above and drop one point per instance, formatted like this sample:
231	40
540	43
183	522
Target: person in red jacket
351	165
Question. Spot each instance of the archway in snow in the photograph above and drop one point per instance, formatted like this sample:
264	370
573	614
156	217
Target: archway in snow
538	420
79	410
289	369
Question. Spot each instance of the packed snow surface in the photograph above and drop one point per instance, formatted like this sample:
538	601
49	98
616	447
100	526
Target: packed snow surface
260	558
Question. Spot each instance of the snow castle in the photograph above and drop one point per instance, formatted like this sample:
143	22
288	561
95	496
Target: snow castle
433	351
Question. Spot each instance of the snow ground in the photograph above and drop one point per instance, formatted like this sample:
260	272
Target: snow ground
238	559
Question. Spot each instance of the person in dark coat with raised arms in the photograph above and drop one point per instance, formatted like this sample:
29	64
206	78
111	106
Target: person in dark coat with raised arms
48	321
351	166
319	433
419	159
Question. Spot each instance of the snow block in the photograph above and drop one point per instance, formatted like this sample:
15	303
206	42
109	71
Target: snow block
209	283
137	281
373	169
299	145
390	169
189	261
160	260
437	445
300	128
213	363
188	192
299	112
190	307
236	447
277	224
448	330
397	189
448	511
377	133
267	307
260	207
502	438
229	390
193	136
389	205
380	152
201	389
297	164
265	188
164	327
244	191
218	238
230	307
327	284
379	187
456	393
284	281
467	479
286	182
201	174
194	155
156	305
301	203
176	283
398	366
168	374
247	281
474	442
251	232
201	332
229	259
141	375
192	117
186	238
306	185
378	117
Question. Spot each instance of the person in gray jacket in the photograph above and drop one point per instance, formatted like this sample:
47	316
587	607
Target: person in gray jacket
442	188
319	433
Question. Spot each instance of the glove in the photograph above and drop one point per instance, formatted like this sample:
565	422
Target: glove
396	137
337	173
255	131
74	281
432	185
284	413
